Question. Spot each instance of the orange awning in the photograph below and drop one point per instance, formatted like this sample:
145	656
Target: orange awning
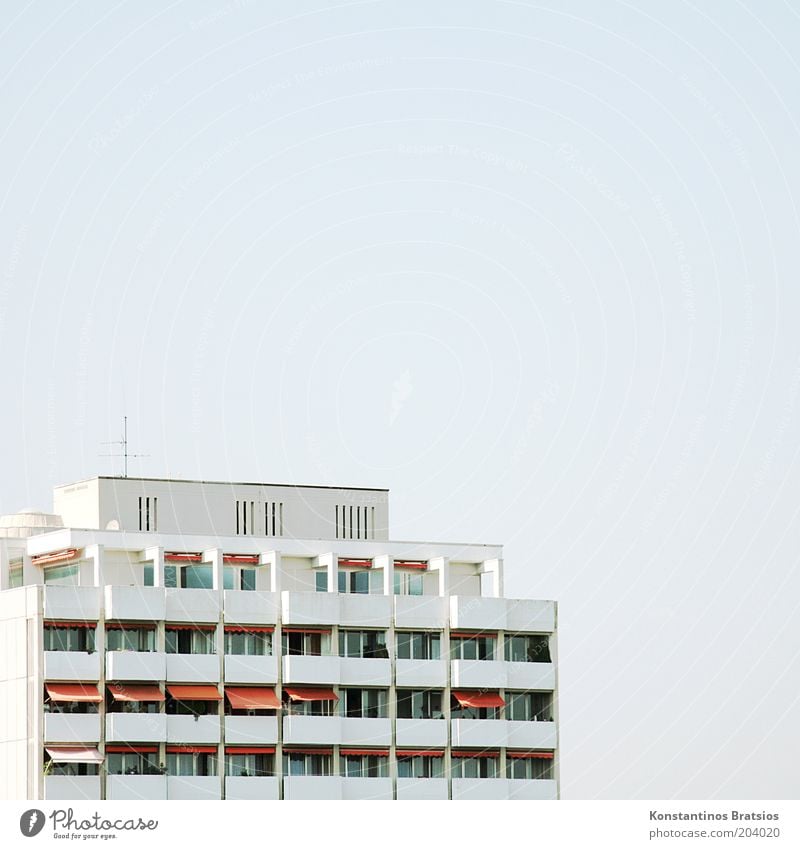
136	693
253	698
74	755
73	692
249	750
548	756
311	694
420	753
478	700
479	753
378	753
206	692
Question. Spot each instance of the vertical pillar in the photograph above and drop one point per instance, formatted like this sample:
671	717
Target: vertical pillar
385	562
156	554
272	559
441	565
330	562
31	575
493	569
95	554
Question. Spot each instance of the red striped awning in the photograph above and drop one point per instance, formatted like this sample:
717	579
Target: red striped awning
480	753
136	693
411	564
137	750
252	698
192	750
204	692
183	557
293	751
73	692
420	753
478	699
74	755
51	624
311	694
467	635
249	750
351	561
249	629
548	756
236	559
306	630
55	557
130	626
190	627
378	753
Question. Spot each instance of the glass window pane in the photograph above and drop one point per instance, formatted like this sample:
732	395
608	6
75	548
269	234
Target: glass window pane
249	579
321	581
170	575
148	575
229	576
342	576
404	645
198	577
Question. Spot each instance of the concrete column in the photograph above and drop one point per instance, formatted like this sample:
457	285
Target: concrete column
386	563
494	569
273	560
31	575
442	566
330	562
156	554
214	556
95	554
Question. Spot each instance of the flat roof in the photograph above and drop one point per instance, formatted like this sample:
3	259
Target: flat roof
219	483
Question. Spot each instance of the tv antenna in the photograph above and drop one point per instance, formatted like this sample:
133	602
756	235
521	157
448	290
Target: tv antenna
124	443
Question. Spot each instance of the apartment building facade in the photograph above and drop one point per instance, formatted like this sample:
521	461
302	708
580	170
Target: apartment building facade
213	640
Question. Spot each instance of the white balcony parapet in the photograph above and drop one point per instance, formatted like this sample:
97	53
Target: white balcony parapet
71	666
365	672
251	669
312	730
480	788
377	789
434	789
481	733
530	676
192	668
309	608
80	604
72	727
143	604
421	673
541	789
192	729
136	727
356	731
136	666
251	730
526	615
308	669
420	611
251	607
365	611
252	787
72	787
192	605
136	787
531	735
194	787
312	787
480	674
478	612
422	732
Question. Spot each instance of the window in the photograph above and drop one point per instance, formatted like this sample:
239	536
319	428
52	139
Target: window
362	644
191	707
474	767
248	642
313	643
418	645
317	707
419	704
306	763
15	577
71	769
131	638
472	648
354	581
51	706
250	764
132	763
119	706
191	763
148	513
529	706
190	641
58	638
415	766
68	575
531	768
198	576
364	766
459	711
321	581
529	648
248	579
407	583
364	703
170	575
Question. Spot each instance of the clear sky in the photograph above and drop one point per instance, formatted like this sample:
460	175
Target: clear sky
532	266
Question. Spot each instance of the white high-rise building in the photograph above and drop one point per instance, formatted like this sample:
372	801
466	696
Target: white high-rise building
169	639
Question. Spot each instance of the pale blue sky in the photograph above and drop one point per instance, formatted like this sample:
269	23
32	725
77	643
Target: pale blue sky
532	267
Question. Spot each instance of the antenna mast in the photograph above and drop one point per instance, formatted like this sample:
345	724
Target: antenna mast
124	443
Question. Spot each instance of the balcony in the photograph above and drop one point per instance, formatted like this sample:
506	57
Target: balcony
136	728
311	730
194	787
251	669
251	730
192	668
365	672
192	729
421	673
540	790
138	604
136	787
312	786
72	727
478	613
480	788
136	666
71	788
365	611
379	789
531	735
72	603
430	789
71	666
529	615
481	733
530	676
424	733
480	674
244	607
192	605
305	608
252	787
420	611
308	669
365	732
